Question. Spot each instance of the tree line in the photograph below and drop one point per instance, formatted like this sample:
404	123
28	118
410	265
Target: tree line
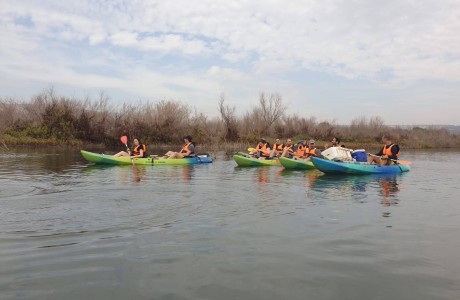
48	118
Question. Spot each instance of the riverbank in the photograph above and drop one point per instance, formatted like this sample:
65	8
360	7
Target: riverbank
48	119
7	142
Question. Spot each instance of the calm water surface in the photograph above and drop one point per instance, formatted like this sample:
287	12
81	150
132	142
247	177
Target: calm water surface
72	230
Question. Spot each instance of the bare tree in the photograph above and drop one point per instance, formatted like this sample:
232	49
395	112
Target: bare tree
272	109
376	124
227	114
252	124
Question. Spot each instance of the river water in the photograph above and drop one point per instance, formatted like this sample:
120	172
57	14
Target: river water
73	230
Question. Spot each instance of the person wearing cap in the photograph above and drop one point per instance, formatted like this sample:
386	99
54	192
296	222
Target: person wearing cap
311	150
188	149
262	149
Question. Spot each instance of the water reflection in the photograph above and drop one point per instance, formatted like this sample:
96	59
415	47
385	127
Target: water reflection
291	230
137	174
98	168
182	174
310	176
32	162
383	187
262	175
130	174
187	173
389	188
125	174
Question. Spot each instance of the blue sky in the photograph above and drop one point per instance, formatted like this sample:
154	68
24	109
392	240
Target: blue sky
334	60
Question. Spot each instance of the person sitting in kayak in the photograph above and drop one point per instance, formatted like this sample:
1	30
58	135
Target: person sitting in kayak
311	150
277	149
300	149
139	150
188	149
289	150
387	155
262	149
334	143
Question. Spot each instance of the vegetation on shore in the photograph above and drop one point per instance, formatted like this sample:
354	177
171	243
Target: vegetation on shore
49	119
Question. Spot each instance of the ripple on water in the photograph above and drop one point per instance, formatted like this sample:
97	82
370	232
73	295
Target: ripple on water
70	230
48	271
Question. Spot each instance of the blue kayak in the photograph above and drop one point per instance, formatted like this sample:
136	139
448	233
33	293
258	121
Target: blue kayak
351	167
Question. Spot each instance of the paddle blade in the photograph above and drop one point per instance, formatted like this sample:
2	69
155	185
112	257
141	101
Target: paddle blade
251	149
124	139
404	162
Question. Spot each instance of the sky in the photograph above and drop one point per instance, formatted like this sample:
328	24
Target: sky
333	60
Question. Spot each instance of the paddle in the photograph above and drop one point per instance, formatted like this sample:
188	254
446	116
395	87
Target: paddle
402	162
124	140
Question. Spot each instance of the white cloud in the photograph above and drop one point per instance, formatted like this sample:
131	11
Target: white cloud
124	38
238	47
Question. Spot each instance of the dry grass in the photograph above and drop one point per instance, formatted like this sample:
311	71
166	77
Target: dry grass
51	119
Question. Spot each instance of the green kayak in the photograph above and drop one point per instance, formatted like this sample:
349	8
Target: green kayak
244	160
296	164
111	160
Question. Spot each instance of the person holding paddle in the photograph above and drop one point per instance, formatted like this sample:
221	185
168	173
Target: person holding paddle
387	155
139	150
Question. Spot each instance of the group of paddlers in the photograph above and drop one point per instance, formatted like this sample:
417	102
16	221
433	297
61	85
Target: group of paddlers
301	150
140	150
387	155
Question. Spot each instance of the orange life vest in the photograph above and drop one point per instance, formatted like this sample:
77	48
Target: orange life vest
137	149
300	151
311	151
278	147
289	148
185	148
264	150
387	151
